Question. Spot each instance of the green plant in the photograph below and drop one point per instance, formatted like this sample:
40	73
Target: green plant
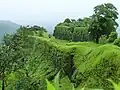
112	37
50	86
104	21
117	42
80	34
103	39
56	83
115	85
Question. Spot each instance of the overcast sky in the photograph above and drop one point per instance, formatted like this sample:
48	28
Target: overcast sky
46	11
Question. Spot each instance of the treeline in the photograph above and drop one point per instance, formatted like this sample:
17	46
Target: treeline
28	58
102	22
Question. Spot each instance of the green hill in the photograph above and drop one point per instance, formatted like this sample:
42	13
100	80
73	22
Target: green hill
94	63
7	27
85	64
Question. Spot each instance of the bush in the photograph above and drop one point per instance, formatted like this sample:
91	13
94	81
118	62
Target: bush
103	39
63	32
80	34
112	37
117	42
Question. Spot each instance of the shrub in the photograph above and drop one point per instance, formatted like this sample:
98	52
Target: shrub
63	32
117	42
103	39
112	37
80	34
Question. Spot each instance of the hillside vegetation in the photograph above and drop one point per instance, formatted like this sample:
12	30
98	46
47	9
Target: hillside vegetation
84	54
85	64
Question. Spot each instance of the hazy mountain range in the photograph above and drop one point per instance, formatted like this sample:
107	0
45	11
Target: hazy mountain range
7	27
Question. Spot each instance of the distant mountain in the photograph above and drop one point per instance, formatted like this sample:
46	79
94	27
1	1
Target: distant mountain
7	27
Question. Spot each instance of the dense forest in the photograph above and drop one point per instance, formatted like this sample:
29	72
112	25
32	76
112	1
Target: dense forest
82	54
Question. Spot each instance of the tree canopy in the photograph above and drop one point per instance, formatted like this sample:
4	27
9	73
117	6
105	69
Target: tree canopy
103	21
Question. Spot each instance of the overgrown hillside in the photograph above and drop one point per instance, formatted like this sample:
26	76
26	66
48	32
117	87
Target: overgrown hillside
85	64
85	52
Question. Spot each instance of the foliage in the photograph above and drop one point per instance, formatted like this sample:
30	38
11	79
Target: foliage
73	30
117	42
9	62
99	64
67	20
56	81
112	37
50	86
63	32
80	34
82	63
97	59
85	22
116	86
15	54
103	39
29	56
103	21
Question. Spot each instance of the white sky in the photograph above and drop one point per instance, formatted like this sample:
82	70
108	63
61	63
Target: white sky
36	11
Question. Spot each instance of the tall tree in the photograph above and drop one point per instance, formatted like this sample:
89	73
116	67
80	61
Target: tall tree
13	52
8	62
103	20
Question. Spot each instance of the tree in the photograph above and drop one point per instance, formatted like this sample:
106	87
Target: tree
112	37
103	39
63	32
103	21
73	20
117	42
15	49
67	20
11	56
79	20
86	22
8	62
80	34
67	30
